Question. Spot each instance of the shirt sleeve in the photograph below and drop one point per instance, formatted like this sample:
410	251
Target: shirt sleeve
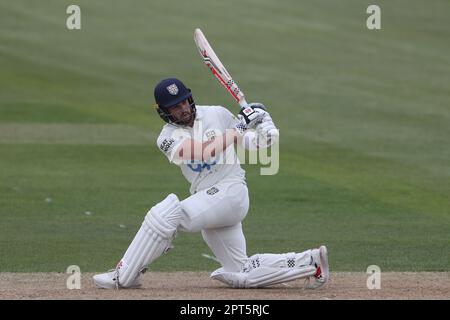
229	119
169	142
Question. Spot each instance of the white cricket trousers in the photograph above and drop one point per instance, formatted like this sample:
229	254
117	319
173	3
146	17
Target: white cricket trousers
217	212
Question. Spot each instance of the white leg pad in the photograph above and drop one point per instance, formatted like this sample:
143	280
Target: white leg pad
261	277
262	270
151	241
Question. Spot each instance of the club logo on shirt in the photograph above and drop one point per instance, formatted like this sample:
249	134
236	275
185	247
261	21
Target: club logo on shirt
173	89
210	135
212	191
165	145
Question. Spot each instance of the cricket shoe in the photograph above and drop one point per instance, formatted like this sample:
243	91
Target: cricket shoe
110	280
322	275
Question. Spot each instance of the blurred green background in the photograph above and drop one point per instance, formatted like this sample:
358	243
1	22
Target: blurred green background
364	119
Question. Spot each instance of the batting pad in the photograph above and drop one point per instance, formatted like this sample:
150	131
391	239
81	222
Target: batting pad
151	241
262	270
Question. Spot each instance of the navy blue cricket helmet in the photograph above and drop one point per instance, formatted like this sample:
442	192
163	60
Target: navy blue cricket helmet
168	93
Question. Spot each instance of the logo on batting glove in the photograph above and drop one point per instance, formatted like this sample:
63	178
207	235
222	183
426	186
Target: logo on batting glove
247	111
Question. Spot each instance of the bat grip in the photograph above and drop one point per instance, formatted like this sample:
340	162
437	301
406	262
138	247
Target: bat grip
243	103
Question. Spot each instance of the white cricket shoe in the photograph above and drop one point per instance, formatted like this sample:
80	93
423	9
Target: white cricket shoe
322	275
109	280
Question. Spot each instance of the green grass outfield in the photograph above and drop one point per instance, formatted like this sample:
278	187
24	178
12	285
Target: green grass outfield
364	119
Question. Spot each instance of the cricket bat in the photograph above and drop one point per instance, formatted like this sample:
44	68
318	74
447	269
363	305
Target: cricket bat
217	68
220	72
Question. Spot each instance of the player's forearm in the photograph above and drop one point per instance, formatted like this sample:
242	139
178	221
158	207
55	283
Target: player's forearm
219	144
204	151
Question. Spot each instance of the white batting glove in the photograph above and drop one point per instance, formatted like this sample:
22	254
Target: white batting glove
253	114
267	133
241	127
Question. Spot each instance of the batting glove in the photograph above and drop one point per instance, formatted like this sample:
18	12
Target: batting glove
241	127
253	114
267	133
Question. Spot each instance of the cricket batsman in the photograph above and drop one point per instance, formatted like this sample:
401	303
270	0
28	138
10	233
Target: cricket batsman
201	141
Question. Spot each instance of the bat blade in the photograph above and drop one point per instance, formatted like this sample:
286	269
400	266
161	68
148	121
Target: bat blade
213	62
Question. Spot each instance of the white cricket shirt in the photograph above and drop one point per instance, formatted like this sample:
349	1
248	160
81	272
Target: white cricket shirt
210	121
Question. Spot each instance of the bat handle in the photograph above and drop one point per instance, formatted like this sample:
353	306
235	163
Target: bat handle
243	103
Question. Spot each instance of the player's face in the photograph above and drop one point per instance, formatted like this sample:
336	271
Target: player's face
182	113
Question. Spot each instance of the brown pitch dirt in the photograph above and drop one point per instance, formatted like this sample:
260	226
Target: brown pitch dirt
198	285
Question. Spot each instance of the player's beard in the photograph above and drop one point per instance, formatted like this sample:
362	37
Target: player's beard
186	118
